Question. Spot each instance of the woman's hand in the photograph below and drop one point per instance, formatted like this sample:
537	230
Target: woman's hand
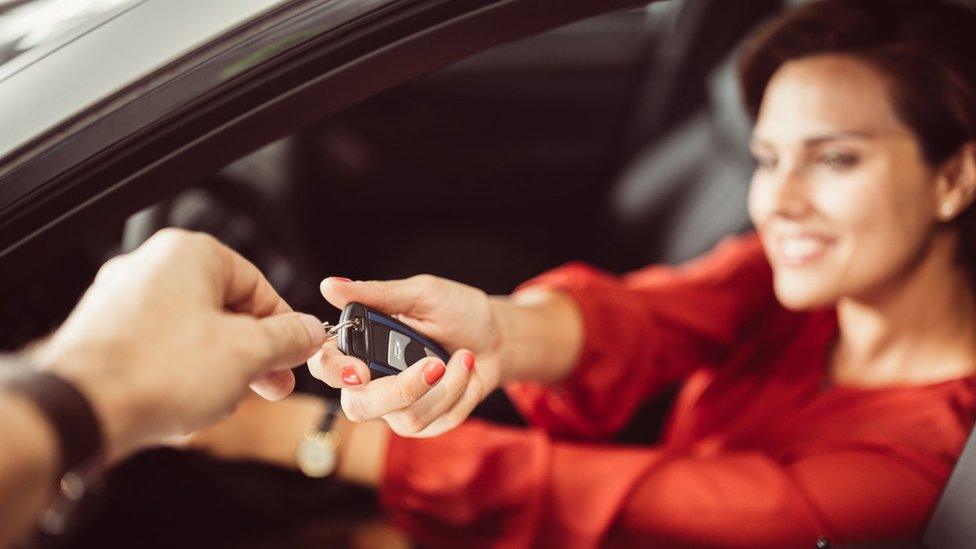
429	397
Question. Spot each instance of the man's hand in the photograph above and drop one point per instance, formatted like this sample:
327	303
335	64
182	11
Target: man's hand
168	338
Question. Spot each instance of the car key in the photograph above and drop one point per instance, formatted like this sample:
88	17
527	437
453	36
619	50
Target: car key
384	343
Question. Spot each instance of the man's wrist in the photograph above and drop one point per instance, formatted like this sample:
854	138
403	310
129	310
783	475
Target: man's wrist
79	449
89	372
30	457
32	431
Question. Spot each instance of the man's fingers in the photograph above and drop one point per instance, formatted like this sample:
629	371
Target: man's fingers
246	290
405	296
336	369
388	394
274	385
290	338
239	285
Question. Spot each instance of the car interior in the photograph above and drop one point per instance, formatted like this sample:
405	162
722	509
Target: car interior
619	140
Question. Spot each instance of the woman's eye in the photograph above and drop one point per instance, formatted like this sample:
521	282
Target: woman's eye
838	161
765	162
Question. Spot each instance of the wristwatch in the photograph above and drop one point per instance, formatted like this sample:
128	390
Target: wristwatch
318	452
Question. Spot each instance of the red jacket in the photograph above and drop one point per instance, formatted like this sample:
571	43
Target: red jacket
758	450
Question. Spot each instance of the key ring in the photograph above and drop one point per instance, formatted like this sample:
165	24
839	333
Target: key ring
332	332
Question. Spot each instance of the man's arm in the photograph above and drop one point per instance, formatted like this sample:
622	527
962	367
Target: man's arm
166	341
27	465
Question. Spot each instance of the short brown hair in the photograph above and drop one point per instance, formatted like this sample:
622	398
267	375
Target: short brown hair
926	48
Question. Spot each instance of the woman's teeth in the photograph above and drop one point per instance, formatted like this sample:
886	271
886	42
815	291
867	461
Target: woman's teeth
799	250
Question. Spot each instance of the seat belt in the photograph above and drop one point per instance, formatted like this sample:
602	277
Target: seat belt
953	524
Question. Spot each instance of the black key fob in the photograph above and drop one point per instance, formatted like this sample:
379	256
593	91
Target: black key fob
384	343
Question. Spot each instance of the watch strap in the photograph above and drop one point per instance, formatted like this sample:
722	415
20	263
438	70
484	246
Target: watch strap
330	415
69	413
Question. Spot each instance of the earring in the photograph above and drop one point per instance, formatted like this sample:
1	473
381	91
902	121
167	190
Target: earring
947	210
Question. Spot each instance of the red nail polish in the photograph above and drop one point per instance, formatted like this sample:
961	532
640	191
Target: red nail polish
341	278
349	375
433	371
469	361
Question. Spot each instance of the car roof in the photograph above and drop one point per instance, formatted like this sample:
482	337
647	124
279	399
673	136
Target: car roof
77	73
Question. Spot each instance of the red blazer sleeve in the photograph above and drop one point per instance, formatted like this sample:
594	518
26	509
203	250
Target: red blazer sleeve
482	485
644	331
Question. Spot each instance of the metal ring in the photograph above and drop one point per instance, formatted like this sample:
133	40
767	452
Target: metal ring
332	332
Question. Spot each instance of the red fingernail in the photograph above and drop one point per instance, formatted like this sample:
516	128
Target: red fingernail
341	278
349	375
469	361
433	371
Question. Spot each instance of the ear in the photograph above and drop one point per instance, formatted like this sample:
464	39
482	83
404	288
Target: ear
956	187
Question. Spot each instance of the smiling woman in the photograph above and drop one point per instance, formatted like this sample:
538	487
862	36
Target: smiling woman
843	195
866	115
888	96
828	362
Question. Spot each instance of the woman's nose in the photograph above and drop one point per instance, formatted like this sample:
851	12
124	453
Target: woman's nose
790	198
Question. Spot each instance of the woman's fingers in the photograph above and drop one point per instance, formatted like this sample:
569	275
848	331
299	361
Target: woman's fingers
427	398
415	418
473	395
424	380
336	369
391	393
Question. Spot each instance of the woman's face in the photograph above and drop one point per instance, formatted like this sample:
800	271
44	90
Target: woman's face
842	197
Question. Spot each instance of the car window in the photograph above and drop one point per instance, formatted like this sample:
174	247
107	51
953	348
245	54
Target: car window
94	125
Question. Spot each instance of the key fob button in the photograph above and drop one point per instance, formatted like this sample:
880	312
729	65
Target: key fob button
379	342
415	351
397	350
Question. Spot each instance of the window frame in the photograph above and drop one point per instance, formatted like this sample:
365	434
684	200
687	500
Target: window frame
180	124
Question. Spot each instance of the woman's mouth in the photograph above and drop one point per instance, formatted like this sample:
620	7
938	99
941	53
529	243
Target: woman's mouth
800	250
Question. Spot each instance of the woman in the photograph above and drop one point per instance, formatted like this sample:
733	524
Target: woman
827	361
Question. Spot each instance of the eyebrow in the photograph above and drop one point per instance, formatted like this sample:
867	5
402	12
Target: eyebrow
823	138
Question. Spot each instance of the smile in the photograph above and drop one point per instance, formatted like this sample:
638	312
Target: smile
800	250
